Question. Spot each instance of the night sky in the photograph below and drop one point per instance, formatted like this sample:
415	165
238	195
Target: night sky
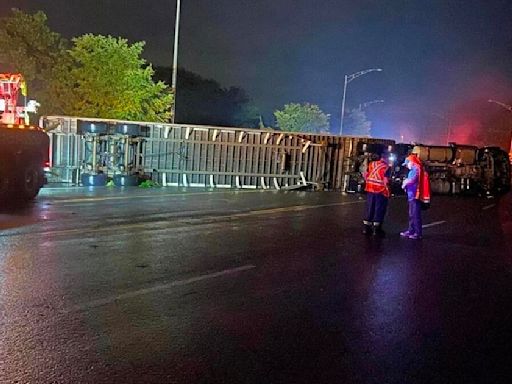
442	59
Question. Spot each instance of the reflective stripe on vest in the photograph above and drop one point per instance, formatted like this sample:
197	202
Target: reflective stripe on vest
374	176
375	182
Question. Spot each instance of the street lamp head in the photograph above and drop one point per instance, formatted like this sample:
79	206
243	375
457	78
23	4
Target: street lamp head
368	103
506	106
349	78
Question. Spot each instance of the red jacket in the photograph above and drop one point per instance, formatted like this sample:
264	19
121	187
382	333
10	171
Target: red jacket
376	180
423	193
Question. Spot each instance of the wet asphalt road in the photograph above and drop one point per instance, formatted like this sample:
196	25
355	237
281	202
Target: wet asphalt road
159	286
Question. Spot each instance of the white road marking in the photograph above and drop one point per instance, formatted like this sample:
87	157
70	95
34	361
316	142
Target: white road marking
157	288
294	208
433	224
488	207
108	198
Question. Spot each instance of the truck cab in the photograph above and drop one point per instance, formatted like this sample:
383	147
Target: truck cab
23	147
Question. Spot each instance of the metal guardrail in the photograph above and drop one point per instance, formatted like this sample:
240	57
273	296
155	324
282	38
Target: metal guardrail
221	157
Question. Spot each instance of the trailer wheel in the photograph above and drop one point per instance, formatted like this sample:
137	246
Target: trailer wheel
126	180
128	129
95	128
29	182
94	180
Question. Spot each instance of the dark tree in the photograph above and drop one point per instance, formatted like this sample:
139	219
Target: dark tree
304	117
28	46
206	102
357	123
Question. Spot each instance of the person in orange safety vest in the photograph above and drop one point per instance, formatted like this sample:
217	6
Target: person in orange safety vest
377	192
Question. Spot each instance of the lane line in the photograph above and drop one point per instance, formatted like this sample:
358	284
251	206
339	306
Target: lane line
433	224
160	224
109	198
158	288
293	208
488	207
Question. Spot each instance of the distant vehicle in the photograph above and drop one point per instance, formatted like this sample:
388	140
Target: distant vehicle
23	147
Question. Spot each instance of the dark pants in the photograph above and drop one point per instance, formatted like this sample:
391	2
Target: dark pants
415	226
376	205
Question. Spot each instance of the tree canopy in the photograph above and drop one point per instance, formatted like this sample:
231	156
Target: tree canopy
108	78
96	76
357	123
29	47
302	118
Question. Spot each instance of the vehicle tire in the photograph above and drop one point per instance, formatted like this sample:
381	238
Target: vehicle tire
126	180
94	128
29	182
127	129
94	180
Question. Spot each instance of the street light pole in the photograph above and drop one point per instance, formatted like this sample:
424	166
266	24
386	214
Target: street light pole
343	104
175	59
348	79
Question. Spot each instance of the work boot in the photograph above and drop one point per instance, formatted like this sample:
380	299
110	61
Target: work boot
367	230
378	231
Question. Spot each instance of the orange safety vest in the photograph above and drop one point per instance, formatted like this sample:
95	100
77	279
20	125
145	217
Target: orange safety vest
376	178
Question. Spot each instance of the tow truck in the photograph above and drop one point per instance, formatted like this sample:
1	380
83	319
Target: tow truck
23	146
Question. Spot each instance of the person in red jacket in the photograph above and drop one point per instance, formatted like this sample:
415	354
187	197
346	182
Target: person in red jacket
417	187
377	195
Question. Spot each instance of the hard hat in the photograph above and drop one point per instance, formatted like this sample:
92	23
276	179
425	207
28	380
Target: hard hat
412	158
